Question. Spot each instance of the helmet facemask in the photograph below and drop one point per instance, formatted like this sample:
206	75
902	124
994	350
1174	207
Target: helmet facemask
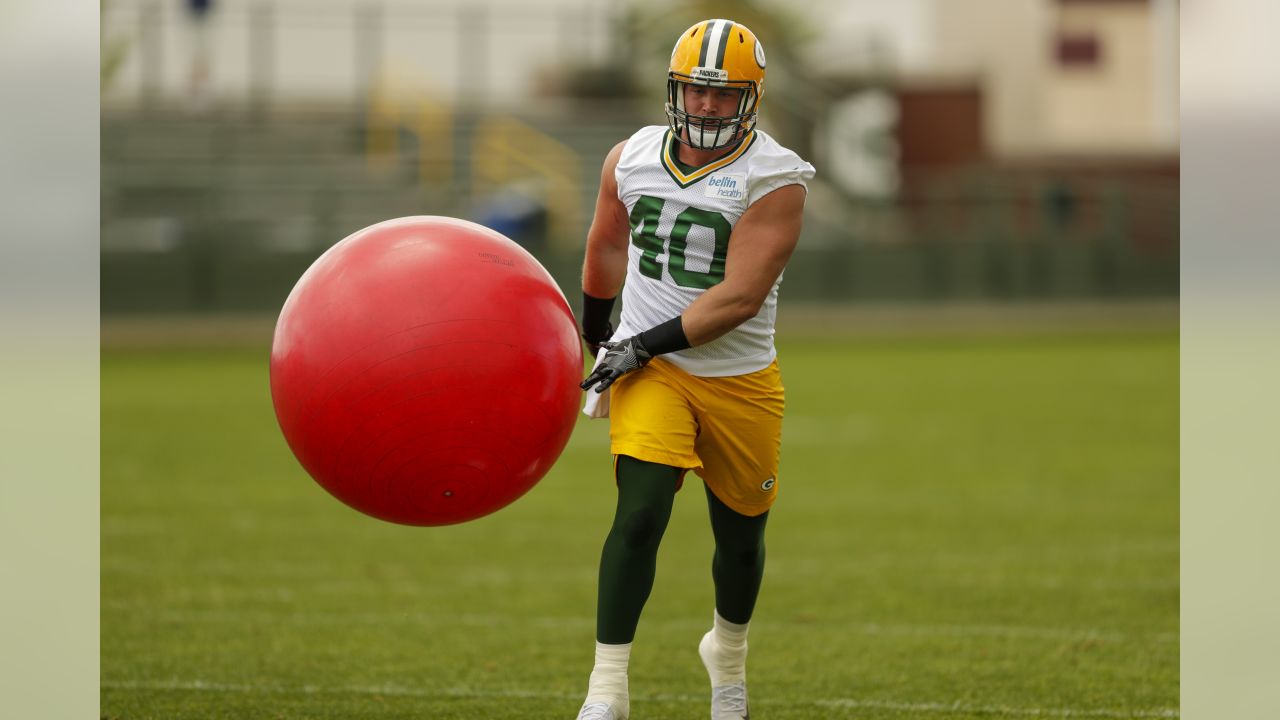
707	132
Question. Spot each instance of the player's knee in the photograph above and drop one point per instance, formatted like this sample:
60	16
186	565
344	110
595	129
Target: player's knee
639	529
748	556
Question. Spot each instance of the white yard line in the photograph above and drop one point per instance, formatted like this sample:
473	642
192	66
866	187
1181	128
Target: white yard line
482	620
959	707
831	703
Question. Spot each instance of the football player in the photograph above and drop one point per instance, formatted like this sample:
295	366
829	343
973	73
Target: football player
699	218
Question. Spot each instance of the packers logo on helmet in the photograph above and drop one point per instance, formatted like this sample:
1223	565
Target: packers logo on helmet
721	54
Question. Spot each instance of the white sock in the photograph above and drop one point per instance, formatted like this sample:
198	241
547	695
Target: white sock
609	676
727	657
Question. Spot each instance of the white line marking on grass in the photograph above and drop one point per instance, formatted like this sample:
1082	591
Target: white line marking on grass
339	619
1013	631
387	690
959	707
830	703
290	617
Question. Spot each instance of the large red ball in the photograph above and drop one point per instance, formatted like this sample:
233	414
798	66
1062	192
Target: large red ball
424	371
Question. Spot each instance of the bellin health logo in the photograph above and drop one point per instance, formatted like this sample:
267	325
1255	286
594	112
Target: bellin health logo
725	186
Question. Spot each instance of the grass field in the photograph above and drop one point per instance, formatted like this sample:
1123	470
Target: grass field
966	529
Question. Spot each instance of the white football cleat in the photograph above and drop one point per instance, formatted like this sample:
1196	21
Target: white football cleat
728	702
604	711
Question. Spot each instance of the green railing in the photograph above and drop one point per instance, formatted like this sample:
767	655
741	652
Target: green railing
224	215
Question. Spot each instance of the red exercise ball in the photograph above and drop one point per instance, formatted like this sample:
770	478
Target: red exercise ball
425	371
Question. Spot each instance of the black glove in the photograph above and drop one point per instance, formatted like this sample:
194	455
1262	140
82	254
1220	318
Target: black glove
623	357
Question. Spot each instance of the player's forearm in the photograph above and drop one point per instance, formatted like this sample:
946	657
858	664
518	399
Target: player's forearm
603	269
716	312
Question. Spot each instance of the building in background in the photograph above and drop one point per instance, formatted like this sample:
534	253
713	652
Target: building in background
993	148
1041	68
1004	79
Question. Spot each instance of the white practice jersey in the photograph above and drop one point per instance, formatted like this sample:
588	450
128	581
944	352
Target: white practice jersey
681	224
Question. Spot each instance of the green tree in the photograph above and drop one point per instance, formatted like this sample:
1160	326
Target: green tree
114	49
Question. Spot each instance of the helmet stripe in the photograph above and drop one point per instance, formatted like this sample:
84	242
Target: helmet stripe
726	29
706	44
716	36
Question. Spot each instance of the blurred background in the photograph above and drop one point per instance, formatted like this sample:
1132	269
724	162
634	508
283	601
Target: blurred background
996	152
985	519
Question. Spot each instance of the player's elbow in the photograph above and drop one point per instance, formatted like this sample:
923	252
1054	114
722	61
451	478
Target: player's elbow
743	307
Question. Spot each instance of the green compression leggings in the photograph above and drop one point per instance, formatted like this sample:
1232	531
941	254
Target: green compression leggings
629	561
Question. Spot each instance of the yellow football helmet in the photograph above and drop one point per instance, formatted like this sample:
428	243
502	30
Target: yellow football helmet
715	53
